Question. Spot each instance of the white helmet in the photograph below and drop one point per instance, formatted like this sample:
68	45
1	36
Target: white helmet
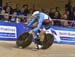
35	13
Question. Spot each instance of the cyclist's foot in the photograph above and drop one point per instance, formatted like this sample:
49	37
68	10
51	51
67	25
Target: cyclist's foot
38	46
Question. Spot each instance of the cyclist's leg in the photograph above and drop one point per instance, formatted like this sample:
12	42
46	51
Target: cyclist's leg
42	35
35	24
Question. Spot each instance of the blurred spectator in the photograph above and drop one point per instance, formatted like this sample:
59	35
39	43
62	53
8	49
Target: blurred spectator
0	9
6	17
68	6
58	10
8	8
56	16
0	13
73	15
69	15
29	15
51	13
17	9
74	8
13	18
64	21
25	10
46	11
3	11
69	10
6	5
71	24
18	20
23	19
66	15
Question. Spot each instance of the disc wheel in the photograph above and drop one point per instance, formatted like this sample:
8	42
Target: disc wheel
24	40
48	41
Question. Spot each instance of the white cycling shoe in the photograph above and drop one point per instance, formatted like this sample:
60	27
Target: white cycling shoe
38	46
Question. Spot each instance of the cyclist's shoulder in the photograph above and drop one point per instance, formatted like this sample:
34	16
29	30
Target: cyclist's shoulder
42	14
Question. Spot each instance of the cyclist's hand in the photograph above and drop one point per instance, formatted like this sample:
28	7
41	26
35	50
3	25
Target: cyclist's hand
31	31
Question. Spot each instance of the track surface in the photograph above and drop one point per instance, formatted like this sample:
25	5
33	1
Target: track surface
8	49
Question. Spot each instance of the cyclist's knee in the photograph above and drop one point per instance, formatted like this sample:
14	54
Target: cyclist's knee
35	24
42	32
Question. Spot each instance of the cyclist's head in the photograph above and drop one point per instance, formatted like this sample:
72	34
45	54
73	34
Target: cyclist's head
35	14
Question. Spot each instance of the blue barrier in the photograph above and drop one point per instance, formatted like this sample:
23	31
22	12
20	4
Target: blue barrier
65	34
10	31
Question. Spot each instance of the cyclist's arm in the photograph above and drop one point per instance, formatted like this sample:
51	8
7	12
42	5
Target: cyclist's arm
31	22
39	23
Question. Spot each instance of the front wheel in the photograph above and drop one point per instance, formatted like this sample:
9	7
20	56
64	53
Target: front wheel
48	41
24	40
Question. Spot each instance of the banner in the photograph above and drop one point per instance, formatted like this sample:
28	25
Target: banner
11	31
8	32
65	35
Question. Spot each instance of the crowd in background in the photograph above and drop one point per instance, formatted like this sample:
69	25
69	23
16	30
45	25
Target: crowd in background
54	13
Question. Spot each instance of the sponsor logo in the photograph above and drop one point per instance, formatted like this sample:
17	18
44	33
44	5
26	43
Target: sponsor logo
66	33
8	32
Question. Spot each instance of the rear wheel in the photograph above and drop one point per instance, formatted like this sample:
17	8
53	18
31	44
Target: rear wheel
48	41
24	40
